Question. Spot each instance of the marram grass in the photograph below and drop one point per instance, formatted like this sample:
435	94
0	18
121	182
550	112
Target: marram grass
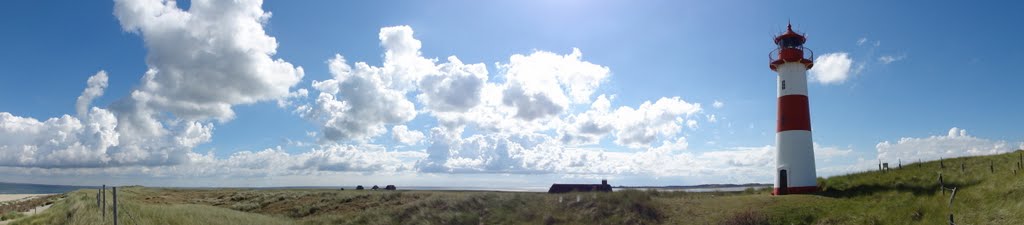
988	192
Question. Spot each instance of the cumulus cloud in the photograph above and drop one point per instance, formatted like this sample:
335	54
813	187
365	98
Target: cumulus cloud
327	158
403	135
543	84
955	143
205	60
357	103
64	141
831	68
457	87
94	138
201	62
634	127
96	84
642	126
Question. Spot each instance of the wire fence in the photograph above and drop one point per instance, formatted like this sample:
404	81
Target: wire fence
101	203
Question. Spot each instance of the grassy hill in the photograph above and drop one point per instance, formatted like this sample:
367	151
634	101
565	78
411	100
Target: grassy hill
988	192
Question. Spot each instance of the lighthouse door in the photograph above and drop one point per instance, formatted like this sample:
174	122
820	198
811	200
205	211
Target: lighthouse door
783	183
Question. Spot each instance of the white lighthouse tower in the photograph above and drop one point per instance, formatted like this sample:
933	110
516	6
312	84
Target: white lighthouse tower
794	153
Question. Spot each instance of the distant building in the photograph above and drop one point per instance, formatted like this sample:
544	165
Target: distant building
390	187
360	187
375	187
565	188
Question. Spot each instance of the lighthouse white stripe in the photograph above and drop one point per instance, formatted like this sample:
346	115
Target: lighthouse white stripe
795	76
795	153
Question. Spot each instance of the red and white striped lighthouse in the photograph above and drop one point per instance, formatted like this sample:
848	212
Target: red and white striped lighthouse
794	153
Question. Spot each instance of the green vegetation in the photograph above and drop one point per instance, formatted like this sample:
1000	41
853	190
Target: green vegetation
911	195
11	216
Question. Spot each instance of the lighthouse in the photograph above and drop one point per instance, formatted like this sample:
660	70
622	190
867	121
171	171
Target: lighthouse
794	151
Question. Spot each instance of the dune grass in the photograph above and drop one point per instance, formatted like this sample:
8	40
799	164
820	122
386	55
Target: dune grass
988	192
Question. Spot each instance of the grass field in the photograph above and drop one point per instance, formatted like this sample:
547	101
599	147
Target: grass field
988	192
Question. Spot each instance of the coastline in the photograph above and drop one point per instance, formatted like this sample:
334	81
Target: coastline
20	197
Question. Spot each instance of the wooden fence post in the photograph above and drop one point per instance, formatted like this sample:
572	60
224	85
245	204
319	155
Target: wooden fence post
103	196
114	189
942	186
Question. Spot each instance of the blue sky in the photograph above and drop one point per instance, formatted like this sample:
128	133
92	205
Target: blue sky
915	75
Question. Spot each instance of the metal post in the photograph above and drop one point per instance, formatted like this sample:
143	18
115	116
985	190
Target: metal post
114	189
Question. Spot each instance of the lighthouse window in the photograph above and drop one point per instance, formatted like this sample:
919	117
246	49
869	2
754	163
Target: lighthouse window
790	42
783	84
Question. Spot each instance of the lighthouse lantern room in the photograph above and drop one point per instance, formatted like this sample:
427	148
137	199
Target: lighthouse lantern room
794	153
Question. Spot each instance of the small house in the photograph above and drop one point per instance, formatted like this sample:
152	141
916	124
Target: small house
566	188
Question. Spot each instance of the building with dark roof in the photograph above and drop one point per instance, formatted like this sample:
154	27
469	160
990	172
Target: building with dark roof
566	188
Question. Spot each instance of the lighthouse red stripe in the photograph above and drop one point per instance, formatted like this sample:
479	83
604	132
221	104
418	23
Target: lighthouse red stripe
794	113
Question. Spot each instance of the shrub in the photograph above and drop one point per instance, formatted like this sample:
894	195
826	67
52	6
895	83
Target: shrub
11	216
748	217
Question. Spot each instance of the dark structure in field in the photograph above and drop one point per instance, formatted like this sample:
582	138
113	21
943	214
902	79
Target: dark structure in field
390	187
375	187
565	188
360	187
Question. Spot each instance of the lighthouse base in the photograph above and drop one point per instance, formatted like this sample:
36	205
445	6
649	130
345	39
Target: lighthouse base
795	190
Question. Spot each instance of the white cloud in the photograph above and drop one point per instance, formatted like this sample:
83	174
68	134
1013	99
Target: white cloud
644	125
718	104
590	126
403	135
712	118
955	143
357	103
456	88
95	138
692	124
534	83
207	59
826	154
887	59
831	68
862	40
633	127
95	87
64	141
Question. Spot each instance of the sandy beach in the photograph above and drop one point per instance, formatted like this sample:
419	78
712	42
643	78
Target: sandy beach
13	197
6	199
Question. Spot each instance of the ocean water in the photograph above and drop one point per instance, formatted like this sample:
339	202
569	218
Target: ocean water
14	188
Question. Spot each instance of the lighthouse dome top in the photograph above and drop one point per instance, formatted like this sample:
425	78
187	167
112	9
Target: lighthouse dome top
790	38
